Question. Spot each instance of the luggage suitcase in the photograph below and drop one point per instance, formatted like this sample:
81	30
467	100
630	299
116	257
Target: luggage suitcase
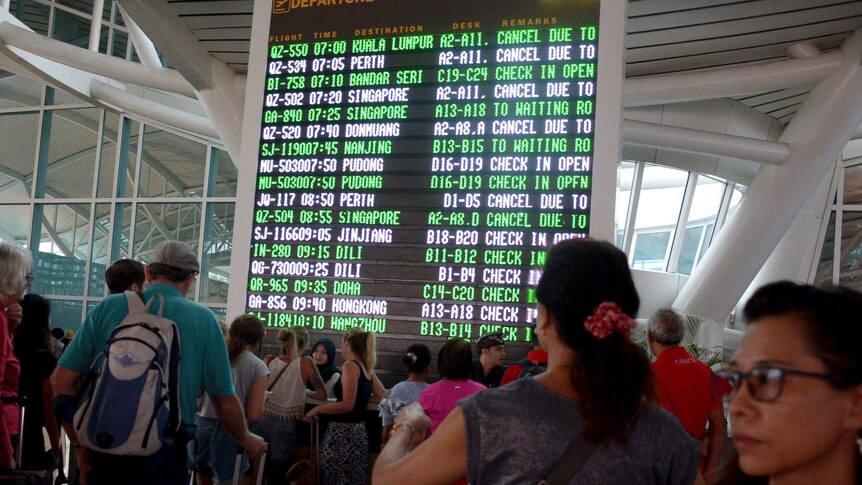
260	468
307	472
23	477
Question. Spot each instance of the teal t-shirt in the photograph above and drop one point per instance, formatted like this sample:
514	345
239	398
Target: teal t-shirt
203	355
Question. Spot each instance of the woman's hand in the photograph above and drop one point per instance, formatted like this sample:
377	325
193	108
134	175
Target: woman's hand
311	415
414	418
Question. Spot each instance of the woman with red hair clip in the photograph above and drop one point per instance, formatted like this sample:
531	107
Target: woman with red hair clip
591	418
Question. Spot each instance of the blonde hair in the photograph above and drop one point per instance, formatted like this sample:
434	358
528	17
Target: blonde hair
362	344
292	340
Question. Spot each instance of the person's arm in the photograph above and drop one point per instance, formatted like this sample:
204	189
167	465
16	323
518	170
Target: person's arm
64	386
50	422
717	438
256	396
377	388
229	411
310	373
349	380
330	384
397	465
6	458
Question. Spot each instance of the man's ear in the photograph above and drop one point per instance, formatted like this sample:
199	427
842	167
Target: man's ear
542	320
147	276
854	408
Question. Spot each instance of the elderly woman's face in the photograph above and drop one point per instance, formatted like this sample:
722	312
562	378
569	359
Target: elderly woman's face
792	425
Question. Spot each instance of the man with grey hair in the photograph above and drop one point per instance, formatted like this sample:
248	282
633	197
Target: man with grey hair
684	386
171	272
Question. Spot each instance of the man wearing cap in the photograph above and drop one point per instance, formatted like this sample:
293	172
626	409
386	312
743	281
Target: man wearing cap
171	272
488	369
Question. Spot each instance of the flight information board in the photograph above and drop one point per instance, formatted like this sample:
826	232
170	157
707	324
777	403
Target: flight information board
415	161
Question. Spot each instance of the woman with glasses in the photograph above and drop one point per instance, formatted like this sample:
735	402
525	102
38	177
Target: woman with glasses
794	388
15	265
596	402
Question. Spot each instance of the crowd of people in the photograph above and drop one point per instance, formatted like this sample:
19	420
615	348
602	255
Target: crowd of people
586	405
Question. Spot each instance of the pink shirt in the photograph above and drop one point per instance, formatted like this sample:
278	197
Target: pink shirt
440	398
10	369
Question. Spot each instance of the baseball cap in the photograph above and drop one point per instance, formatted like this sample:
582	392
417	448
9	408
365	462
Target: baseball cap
176	254
490	340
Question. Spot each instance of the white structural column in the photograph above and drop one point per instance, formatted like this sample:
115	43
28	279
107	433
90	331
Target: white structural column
96	25
792	258
143	45
213	79
816	136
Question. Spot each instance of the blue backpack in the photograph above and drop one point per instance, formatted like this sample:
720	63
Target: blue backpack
131	407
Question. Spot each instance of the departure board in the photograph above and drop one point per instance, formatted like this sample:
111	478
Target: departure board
415	161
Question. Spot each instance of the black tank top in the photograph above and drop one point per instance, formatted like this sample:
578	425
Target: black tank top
363	395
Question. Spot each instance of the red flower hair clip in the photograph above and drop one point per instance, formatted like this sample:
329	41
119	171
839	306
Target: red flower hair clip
608	318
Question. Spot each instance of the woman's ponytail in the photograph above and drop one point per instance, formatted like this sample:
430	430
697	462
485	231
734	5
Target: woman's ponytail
289	346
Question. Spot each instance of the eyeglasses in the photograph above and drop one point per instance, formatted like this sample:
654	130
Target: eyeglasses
764	384
29	279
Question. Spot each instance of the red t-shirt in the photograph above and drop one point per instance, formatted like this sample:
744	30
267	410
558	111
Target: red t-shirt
514	370
685	389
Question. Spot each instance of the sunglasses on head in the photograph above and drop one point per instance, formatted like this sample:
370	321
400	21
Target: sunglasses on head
763	383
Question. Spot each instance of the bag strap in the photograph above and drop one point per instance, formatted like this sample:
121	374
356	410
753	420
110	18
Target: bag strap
269	388
576	455
137	302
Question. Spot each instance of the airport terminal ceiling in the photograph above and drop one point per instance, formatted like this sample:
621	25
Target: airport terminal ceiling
662	38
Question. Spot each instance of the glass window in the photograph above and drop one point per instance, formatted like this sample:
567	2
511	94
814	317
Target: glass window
62	97
659	206
63	249
67	314
71	29
129	158
853	184
34	15
122	232
625	179
18	155
651	250
735	200
171	166
220	313
688	252
19	91
108	158
16	224
704	211
851	250
99	249
106	10
827	254
120	44
215	266
155	223
72	153
118	17
82	5
104	34
707	240
223	174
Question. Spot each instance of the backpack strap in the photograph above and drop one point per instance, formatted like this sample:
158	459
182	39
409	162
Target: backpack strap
136	301
577	454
